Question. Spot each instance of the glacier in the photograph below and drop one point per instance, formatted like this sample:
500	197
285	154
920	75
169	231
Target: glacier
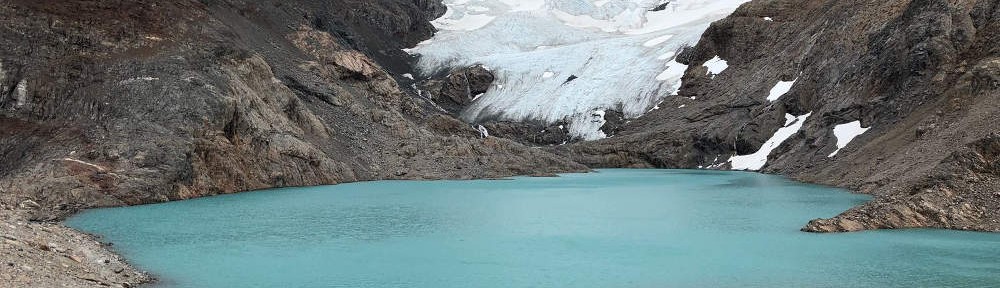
569	60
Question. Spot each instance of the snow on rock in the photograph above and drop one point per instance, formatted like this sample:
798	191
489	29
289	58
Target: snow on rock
483	133
137	79
673	73
845	133
780	89
408	76
768	19
715	66
21	93
757	160
622	54
588	126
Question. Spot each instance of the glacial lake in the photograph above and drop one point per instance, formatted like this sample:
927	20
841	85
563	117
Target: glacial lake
612	228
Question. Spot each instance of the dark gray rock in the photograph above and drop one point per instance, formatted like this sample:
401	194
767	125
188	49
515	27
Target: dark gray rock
923	74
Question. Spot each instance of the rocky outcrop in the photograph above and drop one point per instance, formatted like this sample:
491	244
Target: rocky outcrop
458	88
960	193
922	74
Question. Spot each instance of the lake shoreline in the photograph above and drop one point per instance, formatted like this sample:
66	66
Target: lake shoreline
90	271
94	272
480	231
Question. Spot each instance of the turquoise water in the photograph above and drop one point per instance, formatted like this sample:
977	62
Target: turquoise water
614	228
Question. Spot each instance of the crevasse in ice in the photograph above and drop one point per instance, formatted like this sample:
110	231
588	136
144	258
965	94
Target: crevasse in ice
621	52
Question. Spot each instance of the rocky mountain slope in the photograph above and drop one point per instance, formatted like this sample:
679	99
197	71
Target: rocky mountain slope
162	101
124	102
923	76
897	99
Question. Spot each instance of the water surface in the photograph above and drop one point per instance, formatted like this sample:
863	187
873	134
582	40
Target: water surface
614	228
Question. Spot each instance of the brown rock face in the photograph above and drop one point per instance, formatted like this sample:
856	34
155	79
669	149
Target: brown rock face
458	88
960	193
138	102
924	75
106	103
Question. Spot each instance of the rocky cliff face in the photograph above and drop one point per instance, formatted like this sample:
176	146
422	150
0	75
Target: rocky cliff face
923	75
128	102
106	103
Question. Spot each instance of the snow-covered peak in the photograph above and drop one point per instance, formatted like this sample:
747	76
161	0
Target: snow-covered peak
592	55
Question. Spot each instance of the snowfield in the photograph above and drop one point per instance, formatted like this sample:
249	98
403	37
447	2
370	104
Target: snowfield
621	54
846	133
758	159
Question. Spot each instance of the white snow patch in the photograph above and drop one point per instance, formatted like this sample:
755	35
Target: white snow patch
757	160
408	76
682	106
715	66
715	163
768	19
780	89
673	73
548	74
845	133
138	79
600	42
22	92
483	132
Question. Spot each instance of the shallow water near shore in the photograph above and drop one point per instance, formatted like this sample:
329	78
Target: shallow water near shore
613	228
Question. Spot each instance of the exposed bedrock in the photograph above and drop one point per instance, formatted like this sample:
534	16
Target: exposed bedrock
456	89
137	102
107	103
923	77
